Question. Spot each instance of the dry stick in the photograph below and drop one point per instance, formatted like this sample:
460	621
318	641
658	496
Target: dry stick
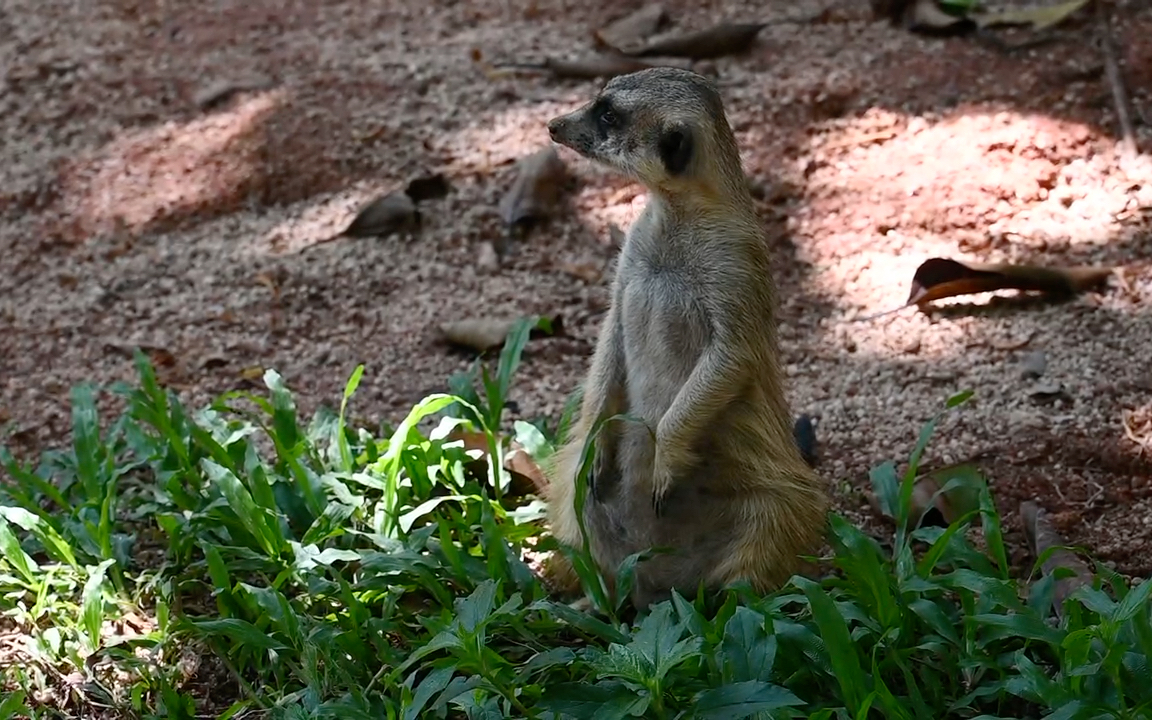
1116	81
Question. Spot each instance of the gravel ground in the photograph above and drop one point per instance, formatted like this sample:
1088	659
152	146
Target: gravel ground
128	216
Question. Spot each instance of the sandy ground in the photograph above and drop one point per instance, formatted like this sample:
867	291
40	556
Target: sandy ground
129	216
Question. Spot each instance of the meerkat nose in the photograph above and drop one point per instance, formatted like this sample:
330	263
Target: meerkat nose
554	128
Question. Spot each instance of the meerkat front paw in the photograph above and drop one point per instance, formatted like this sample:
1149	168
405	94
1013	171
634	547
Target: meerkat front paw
661	482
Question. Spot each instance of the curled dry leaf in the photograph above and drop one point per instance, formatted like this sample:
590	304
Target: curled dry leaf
942	511
524	471
717	41
482	334
921	16
427	187
586	271
217	93
1039	17
540	178
630	31
593	67
939	278
1041	538
383	216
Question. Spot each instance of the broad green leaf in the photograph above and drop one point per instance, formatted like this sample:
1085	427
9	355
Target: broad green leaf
1135	601
747	651
741	700
434	682
584	701
239	631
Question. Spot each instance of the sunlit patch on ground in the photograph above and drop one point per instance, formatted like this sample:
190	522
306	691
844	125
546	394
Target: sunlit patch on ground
145	177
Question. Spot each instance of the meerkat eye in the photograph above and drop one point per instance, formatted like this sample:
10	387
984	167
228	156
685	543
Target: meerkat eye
607	118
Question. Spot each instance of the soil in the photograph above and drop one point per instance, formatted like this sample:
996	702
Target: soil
130	216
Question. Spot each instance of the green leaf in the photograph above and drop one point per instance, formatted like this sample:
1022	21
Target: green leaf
742	699
239	631
658	641
433	682
841	650
474	610
1135	601
584	701
341	436
92	600
253	517
13	705
12	552
747	652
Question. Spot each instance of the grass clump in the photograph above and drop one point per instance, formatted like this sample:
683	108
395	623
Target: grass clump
240	561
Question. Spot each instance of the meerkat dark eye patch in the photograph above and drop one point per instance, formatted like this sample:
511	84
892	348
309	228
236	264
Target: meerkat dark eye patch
676	146
605	115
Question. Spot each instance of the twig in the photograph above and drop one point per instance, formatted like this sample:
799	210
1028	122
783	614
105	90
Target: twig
1128	146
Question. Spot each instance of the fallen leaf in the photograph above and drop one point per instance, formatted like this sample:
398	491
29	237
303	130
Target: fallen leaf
1041	537
593	67
252	372
588	272
717	41
219	92
536	190
927	17
383	216
939	278
483	334
1039	17
525	473
945	509
213	361
427	187
630	31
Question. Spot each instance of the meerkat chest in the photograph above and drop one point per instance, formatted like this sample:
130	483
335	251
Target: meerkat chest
665	331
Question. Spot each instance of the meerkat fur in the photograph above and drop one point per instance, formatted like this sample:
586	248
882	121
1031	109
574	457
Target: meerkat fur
689	348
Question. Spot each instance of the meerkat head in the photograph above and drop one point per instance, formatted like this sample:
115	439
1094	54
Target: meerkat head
663	126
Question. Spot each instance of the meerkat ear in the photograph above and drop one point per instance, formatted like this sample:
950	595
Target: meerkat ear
676	148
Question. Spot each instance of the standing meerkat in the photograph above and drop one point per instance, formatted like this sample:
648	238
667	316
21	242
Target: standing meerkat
689	348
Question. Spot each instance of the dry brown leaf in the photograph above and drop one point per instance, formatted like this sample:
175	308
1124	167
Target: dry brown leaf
252	372
479	334
939	278
1039	17
527	476
427	187
540	178
717	41
631	31
1041	536
384	215
941	512
594	67
588	272
217	93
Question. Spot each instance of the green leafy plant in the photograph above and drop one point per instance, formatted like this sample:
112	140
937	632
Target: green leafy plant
318	570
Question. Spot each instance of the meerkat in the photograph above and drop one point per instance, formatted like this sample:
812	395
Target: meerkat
711	471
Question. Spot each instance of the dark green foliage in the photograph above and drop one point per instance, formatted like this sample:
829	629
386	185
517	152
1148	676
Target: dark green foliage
335	574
